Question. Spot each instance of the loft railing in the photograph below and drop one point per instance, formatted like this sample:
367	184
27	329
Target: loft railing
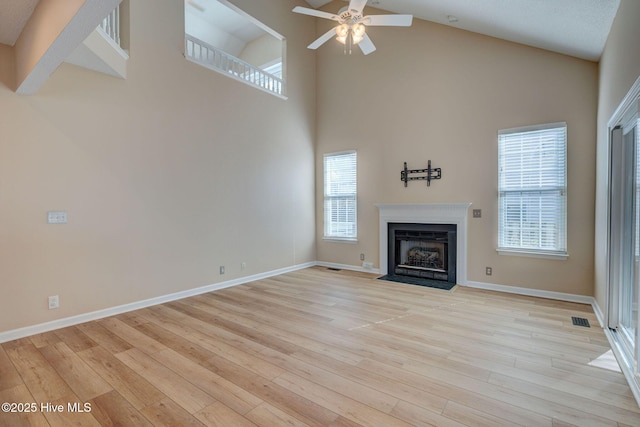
209	56
111	25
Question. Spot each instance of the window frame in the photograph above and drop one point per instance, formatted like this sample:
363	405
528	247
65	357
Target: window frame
557	193
330	233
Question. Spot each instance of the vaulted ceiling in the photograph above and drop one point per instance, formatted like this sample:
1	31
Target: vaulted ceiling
574	27
577	28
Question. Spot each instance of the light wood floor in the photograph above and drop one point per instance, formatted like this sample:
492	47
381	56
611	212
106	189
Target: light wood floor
318	347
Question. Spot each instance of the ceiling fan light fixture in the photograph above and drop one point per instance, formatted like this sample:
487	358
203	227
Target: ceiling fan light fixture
343	32
358	33
351	28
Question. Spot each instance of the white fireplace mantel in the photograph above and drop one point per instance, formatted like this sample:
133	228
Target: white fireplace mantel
427	213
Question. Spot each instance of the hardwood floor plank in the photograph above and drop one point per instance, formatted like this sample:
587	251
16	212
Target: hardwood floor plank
111	409
470	416
9	376
132	336
591	371
168	413
572	380
277	339
418	416
130	384
83	380
20	394
64	416
298	407
220	415
202	334
185	394
105	338
75	339
337	402
373	379
42	380
229	394
472	399
267	415
586	405
45	339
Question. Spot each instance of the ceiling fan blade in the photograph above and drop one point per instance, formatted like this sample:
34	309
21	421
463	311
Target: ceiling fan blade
323	39
388	20
357	5
366	45
313	12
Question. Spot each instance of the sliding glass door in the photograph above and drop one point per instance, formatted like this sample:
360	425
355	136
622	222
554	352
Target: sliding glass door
624	245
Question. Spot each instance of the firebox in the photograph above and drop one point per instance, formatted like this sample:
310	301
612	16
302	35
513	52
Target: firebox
425	251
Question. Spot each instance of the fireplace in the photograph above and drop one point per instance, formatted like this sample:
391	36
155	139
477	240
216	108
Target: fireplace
426	251
426	213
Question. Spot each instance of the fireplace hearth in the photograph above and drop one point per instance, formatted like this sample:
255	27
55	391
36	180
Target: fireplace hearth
426	251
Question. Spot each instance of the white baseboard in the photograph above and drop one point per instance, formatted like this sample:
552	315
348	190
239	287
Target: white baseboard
580	299
561	296
598	312
112	311
347	267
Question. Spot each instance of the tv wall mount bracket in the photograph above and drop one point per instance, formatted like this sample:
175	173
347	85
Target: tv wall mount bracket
427	174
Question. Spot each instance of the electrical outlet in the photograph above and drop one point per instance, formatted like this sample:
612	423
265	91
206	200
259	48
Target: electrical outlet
56	217
361	257
54	302
243	266
367	265
477	213
222	269
488	271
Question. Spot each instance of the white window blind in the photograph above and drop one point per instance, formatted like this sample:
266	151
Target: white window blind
340	194
533	189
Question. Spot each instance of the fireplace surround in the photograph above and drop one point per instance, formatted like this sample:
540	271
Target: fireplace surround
426	213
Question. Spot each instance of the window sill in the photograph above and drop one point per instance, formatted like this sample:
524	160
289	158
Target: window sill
339	240
533	254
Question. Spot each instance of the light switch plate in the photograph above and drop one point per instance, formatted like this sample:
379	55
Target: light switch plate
56	217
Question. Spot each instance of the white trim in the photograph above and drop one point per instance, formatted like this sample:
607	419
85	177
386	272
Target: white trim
533	254
427	213
99	314
598	312
339	240
632	379
532	128
627	102
347	267
561	296
119	50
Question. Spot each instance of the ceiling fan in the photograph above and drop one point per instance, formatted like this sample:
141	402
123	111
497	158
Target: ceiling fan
351	28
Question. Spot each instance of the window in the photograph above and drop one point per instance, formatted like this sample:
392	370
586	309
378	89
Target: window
532	186
340	205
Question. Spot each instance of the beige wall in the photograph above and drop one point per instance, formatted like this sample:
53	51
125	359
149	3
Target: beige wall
264	50
165	176
434	92
619	69
7	67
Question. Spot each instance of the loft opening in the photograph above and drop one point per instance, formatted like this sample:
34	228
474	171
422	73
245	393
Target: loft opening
224	38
